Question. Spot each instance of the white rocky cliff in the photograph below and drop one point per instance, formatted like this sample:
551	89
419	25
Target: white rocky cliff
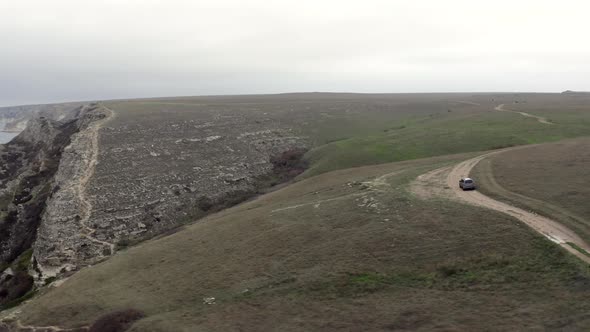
64	238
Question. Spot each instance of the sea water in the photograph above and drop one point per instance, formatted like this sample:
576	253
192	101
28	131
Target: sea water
5	137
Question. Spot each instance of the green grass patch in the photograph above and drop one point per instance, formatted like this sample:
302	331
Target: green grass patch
50	280
447	133
368	282
482	273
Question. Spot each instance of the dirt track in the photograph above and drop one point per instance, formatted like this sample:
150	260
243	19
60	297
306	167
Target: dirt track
445	182
528	115
92	134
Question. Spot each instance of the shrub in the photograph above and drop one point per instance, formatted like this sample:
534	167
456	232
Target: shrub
289	164
15	288
117	321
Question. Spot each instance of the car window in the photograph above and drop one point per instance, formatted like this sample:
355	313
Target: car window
468	181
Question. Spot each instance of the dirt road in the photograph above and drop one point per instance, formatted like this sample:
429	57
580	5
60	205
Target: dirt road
444	182
528	115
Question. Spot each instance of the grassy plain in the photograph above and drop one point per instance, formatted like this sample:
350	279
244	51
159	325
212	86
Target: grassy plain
351	249
458	128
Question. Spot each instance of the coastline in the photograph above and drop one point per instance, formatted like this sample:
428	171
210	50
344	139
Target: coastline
7	136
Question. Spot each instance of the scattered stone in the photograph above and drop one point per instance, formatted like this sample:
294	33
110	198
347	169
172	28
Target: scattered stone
208	300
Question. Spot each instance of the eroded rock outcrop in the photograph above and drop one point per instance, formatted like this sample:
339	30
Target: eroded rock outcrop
63	238
29	163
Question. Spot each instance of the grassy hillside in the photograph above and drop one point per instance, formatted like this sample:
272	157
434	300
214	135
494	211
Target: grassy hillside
349	250
551	179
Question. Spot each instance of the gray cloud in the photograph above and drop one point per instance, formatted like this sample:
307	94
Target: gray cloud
77	50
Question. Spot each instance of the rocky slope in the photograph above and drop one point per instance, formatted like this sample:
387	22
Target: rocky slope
74	190
67	211
130	178
15	118
29	164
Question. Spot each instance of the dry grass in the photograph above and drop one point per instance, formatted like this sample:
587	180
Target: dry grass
551	179
337	251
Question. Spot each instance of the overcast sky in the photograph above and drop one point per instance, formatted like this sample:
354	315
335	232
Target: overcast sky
62	50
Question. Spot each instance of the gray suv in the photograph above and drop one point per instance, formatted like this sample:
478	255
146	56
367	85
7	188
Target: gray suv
466	183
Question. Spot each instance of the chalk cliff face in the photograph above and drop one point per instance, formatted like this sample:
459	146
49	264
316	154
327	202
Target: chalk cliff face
41	172
10	124
16	118
29	163
63	238
14	121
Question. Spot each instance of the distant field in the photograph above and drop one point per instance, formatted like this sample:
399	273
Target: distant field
348	250
459	128
348	130
552	179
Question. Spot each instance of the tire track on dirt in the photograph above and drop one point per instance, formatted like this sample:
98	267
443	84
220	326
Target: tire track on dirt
447	178
316	204
28	328
528	115
375	185
465	102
